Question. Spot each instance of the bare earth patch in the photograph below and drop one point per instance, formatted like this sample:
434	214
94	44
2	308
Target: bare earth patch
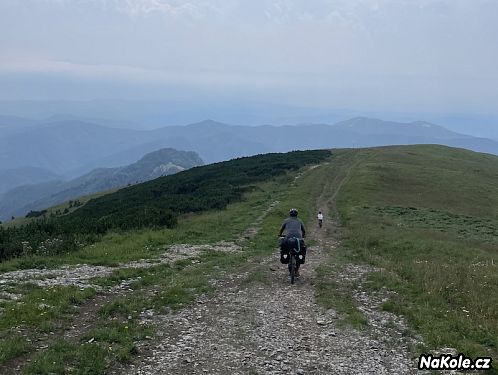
80	275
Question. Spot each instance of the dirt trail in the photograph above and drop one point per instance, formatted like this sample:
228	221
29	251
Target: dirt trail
272	327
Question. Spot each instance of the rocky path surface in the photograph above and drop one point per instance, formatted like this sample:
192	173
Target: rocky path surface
82	275
273	327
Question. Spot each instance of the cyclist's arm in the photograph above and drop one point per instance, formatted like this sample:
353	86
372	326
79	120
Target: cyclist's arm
282	228
303	230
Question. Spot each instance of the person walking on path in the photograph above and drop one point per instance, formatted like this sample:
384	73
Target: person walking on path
320	218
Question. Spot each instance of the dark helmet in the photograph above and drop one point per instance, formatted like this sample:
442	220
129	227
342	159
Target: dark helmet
293	212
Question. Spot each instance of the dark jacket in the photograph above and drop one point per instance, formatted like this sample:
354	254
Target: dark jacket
293	227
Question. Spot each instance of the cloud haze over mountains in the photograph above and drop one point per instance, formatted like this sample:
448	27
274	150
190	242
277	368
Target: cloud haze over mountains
426	55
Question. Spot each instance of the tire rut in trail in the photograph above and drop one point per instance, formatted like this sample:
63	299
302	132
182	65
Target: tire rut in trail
270	327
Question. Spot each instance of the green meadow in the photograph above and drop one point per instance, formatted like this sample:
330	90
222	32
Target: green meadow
427	217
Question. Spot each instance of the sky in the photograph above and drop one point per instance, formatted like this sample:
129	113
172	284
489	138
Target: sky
385	55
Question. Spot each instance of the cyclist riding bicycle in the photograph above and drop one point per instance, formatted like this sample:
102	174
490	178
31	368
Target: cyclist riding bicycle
320	218
293	227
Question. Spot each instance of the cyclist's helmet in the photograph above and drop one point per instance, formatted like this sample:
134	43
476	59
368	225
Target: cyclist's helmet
293	212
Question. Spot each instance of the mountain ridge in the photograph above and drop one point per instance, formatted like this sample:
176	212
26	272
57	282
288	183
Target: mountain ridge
159	163
74	148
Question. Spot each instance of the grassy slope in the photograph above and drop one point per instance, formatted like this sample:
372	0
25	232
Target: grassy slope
331	291
428	217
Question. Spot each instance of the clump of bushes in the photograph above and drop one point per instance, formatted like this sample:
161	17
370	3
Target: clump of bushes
36	213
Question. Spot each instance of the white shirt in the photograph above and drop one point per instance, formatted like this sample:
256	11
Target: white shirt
320	216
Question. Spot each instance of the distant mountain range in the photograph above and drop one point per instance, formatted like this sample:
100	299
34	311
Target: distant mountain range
42	164
72	148
152	114
22	199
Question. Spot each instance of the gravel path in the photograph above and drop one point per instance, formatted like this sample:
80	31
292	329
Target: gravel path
81	275
273	327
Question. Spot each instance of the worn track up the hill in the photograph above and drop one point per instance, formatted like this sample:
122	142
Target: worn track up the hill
272	327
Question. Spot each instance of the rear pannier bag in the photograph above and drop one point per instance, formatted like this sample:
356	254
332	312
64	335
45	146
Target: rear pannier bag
287	244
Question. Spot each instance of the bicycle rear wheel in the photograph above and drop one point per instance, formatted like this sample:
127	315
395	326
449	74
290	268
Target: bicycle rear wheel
292	268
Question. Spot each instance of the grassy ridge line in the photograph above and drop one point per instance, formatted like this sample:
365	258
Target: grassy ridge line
113	336
444	270
196	190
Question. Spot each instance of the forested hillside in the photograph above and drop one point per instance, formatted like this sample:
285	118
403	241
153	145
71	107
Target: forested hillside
155	203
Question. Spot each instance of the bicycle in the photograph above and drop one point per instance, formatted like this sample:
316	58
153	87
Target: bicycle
296	254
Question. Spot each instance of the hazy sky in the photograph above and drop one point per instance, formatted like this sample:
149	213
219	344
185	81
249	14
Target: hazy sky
400	55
